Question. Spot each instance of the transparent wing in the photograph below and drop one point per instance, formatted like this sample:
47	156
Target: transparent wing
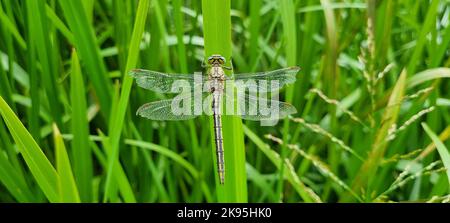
253	108
267	81
181	107
162	82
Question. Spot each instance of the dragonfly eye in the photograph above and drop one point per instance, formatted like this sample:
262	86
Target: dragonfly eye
216	59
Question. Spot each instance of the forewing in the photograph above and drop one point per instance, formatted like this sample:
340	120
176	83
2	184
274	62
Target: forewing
162	82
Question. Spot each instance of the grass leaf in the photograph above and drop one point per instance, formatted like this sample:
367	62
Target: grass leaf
305	193
119	115
443	151
81	152
428	75
67	188
41	168
390	116
86	45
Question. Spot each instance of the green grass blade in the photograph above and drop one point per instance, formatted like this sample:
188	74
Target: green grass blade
33	80
255	24
59	24
443	151
5	88
13	181
428	25
217	35
133	54
88	6
166	152
68	191
179	26
390	116
41	168
304	192
288	19
428	75
119	175
81	152
89	51
9	26
39	30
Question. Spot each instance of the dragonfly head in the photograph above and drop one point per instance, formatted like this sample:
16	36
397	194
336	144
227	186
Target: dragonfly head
216	59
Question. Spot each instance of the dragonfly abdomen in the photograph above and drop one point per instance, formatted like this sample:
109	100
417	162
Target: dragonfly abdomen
218	139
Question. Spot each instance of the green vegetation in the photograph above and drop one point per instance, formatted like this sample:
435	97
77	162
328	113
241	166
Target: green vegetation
372	96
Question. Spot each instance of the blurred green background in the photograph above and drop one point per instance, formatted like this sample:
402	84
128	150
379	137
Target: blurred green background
373	101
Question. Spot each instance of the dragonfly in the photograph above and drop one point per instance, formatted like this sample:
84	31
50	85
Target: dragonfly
213	84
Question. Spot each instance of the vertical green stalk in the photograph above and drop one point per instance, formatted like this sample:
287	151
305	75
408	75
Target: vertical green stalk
39	30
255	24
81	152
179	24
119	115
331	81
89	52
34	78
287	13
427	26
217	35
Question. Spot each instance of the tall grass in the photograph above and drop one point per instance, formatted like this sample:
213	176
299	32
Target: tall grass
372	99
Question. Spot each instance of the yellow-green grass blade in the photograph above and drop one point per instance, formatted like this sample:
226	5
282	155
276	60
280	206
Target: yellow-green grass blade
119	115
119	175
41	168
288	20
442	150
330	79
427	75
68	191
86	45
88	6
81	152
390	116
217	35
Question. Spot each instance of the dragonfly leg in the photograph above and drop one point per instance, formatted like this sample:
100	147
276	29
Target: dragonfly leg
230	67
204	65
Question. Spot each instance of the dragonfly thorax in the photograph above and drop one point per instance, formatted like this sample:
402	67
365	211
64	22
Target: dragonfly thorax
217	73
216	78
